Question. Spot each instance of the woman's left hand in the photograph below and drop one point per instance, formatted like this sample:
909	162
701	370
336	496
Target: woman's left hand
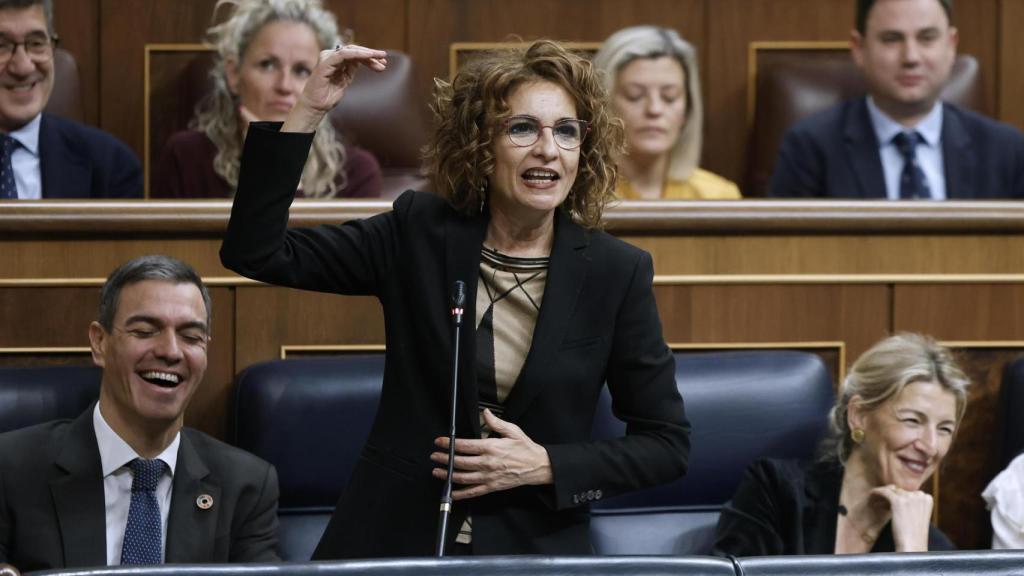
505	460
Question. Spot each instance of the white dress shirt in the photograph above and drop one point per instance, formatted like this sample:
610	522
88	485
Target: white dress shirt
1005	498
929	153
25	160
115	455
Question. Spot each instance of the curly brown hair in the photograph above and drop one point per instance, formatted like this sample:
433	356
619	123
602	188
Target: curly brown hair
469	111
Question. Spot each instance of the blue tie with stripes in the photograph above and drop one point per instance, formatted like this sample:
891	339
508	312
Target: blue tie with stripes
913	184
8	190
142	535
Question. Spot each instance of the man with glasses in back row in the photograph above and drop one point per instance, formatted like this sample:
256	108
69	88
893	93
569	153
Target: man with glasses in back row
41	155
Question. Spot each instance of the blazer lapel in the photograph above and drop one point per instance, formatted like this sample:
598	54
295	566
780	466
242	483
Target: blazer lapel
957	157
78	496
566	276
64	174
862	150
191	530
463	240
822	486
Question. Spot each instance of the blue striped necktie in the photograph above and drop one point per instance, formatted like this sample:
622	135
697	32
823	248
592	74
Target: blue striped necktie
8	190
143	542
913	184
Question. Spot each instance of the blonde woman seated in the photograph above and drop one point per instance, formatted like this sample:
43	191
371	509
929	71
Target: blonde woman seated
266	51
651	76
892	425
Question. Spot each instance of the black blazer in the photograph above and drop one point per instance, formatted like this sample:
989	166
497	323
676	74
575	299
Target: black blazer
78	161
598	322
52	505
787	507
834	154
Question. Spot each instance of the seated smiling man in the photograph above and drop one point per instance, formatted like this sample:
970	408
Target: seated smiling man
901	141
125	483
41	155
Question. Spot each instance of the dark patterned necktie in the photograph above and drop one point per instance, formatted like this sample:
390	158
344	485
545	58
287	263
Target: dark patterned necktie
142	535
913	184
8	190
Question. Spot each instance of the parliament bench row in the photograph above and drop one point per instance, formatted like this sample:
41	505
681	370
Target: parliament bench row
310	418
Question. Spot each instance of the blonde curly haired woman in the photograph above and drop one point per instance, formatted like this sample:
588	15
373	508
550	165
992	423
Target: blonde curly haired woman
266	51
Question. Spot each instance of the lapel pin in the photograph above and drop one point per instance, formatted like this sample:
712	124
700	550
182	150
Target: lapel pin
204	501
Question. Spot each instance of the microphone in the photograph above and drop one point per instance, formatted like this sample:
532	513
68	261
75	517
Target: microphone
458	304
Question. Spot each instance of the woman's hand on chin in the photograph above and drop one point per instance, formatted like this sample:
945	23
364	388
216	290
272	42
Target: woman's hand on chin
327	84
911	516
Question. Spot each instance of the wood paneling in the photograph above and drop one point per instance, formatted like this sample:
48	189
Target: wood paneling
732	26
77	22
1011	54
209	407
435	24
963	312
857	315
269	318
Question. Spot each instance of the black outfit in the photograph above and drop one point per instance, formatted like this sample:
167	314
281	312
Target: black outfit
598	322
834	154
789	507
79	161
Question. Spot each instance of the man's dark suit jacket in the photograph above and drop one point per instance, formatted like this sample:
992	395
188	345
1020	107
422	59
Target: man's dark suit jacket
79	161
834	154
52	511
789	507
598	322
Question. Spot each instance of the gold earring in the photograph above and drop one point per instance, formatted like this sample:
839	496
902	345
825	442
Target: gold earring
857	435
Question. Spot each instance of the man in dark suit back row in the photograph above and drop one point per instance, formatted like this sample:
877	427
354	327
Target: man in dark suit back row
41	155
125	483
901	141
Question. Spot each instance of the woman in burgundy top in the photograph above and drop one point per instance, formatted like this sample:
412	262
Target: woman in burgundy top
265	53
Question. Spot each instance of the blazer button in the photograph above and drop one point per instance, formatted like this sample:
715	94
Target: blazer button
590	494
598	494
575	498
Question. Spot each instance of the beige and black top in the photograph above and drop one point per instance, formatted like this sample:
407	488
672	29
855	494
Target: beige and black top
508	297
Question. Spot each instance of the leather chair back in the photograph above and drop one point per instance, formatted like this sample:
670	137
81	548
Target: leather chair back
742	406
35	395
310	419
791	84
66	98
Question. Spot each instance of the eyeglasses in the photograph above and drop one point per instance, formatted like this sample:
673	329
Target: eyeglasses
38	47
525	131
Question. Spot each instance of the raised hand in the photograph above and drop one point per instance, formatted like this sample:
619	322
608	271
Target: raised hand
911	516
505	460
327	84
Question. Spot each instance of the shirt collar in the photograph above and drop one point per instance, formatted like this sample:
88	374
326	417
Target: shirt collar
115	453
930	127
28	135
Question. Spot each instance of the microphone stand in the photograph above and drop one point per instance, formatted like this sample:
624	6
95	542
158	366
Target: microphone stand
458	305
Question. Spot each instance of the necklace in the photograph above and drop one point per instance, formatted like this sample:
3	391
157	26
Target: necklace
867	536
